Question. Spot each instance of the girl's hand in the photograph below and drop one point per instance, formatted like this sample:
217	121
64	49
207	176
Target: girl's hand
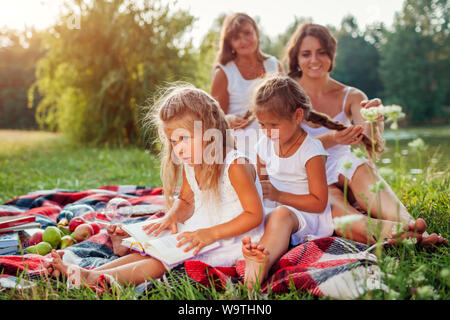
269	191
235	121
349	136
198	239
169	223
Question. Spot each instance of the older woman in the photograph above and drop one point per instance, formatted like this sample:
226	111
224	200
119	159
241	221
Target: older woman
239	65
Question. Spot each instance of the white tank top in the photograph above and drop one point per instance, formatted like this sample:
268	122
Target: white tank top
342	118
240	90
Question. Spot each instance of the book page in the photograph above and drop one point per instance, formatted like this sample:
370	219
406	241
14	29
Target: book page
135	230
168	252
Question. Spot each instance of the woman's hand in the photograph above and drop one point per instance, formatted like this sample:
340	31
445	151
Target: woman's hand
198	239
269	191
349	136
236	121
169	223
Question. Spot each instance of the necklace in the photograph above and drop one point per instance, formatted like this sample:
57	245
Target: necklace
283	154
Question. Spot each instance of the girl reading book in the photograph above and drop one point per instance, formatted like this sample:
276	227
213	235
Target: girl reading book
220	195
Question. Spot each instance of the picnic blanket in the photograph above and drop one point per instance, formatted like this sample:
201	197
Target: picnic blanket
331	266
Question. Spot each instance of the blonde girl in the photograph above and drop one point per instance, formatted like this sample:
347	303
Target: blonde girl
220	195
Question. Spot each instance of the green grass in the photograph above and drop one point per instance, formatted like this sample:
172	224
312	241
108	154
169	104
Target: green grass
31	161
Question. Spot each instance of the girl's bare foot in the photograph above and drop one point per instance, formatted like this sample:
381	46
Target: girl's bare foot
74	274
47	267
117	234
256	266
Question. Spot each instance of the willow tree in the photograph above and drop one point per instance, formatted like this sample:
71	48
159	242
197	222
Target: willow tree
103	60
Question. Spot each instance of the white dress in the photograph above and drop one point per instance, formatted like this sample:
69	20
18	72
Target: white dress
339	154
289	175
210	213
240	93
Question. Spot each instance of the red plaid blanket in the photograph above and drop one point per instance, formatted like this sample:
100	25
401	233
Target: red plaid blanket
324	266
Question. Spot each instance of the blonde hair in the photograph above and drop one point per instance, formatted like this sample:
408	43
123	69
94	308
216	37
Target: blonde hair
231	26
183	103
282	96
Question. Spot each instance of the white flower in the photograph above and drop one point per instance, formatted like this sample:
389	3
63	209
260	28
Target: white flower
417	144
342	223
427	292
393	113
370	114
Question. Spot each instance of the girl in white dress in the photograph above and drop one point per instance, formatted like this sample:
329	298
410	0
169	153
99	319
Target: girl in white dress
291	165
220	195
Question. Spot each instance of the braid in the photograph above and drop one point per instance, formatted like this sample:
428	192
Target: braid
326	121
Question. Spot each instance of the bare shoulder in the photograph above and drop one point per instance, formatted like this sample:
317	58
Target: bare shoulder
219	75
240	168
354	99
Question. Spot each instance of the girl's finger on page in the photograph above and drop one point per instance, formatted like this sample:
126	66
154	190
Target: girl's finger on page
191	246
197	250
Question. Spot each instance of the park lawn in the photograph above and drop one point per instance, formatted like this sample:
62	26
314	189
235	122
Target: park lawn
33	160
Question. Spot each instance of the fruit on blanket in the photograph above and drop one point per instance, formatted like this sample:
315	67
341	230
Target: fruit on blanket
43	248
83	231
67	241
95	226
52	235
75	222
65	230
36	238
31	249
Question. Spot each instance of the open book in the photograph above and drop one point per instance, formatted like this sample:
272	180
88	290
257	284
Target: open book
164	246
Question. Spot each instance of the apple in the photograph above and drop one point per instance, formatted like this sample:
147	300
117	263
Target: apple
75	222
52	235
95	226
83	231
67	241
36	238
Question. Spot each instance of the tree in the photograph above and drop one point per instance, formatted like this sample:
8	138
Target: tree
19	52
95	78
357	60
415	60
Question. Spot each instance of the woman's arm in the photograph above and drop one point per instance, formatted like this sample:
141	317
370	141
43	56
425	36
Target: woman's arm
219	89
317	199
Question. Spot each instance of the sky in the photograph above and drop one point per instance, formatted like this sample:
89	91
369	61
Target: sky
274	15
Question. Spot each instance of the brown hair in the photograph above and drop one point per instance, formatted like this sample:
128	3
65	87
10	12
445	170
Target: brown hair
328	42
231	26
283	96
183	103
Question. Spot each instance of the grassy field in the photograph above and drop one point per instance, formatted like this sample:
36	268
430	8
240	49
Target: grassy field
31	161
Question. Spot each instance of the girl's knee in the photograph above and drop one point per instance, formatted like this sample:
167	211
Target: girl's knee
281	215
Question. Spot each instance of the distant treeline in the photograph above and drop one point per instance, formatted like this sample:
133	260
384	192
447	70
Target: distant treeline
92	73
